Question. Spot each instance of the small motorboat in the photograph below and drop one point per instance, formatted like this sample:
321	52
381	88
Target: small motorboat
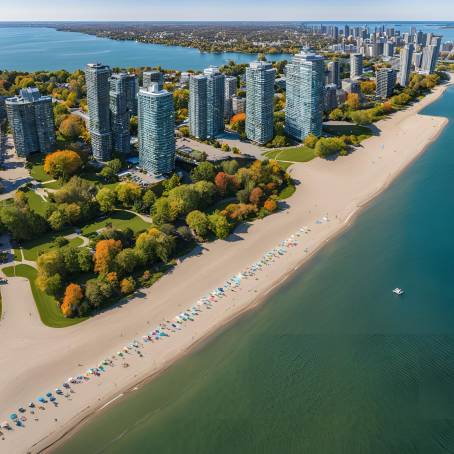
398	291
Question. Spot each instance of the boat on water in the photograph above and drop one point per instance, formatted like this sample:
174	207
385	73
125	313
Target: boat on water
398	291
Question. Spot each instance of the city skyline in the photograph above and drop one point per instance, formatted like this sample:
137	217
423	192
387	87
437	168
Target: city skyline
202	10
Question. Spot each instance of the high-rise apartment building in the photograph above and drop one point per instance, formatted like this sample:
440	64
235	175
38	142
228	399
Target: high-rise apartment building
206	103
98	100
330	97
31	120
260	77
156	130
386	80
120	112
229	93
356	65
215	101
150	77
198	106
430	55
305	93
334	73
406	58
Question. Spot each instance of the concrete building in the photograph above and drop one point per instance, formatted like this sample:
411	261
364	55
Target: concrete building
334	73
351	86
386	80
238	104
330	98
388	49
150	77
430	55
31	120
406	58
417	60
260	77
132	91
2	108
305	93
98	100
156	130
356	65
229	92
198	106
120	113
215	101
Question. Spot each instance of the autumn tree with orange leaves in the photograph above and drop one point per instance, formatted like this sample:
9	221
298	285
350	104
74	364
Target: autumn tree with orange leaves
62	164
73	296
106	251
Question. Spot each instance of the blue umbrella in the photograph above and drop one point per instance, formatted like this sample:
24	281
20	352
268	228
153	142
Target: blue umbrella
41	399
13	416
52	399
49	394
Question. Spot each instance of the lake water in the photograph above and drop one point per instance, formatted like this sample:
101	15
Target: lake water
35	49
333	362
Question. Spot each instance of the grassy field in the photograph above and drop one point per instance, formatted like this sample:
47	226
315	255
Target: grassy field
37	171
295	154
36	203
33	248
119	220
48	309
287	192
52	185
284	165
347	130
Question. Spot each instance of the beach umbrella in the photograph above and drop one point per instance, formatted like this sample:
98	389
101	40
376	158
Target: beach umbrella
5	424
13	416
52	399
41	399
31	405
49	394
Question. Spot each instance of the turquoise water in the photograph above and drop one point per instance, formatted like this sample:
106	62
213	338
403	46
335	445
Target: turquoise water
35	49
334	362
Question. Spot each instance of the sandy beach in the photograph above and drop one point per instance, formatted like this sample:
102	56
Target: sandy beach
36	359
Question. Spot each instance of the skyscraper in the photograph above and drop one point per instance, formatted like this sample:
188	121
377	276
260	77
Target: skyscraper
406	58
153	76
386	80
215	101
305	91
198	106
260	78
206	103
229	92
430	55
334	73
356	65
31	120
98	100
156	130
132	90
330	97
388	49
120	112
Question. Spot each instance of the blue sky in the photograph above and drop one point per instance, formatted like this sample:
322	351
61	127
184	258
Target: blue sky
227	10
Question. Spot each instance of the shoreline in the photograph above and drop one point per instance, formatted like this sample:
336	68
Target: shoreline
294	262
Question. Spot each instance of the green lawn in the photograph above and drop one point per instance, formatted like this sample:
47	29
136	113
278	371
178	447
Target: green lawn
295	154
47	305
17	255
119	220
284	165
33	248
52	185
347	130
37	171
287	192
36	203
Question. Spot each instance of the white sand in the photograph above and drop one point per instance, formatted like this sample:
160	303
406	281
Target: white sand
35	359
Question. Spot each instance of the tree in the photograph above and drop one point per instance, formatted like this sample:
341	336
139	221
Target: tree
221	181
106	198
85	260
230	166
126	260
310	141
70	257
133	125
72	299
368	87
256	196
154	244
106	251
328	146
270	205
148	199
198	222
161	211
127	285
128	193
206	191
353	101
361	117
182	200
57	220
204	171
172	182
336	115
51	285
93	292
23	224
71	127
62	164
76	190
108	174
219	225
225	147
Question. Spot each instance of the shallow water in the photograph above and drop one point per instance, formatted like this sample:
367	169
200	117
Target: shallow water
333	362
